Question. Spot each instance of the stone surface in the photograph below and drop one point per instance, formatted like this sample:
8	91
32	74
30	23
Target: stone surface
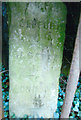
36	38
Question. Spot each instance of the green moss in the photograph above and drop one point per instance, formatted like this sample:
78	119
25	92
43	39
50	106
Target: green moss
35	57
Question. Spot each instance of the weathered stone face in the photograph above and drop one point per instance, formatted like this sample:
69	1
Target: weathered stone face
36	38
